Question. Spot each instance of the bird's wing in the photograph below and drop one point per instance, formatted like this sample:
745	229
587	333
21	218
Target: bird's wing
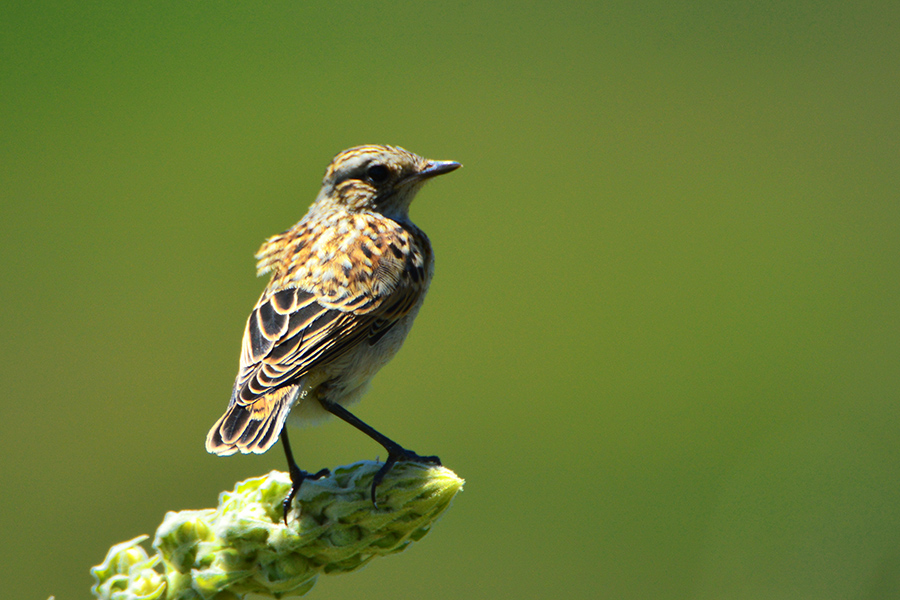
291	331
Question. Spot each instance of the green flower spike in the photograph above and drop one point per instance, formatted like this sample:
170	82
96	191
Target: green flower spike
244	547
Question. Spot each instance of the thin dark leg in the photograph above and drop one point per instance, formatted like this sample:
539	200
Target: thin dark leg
395	451
297	474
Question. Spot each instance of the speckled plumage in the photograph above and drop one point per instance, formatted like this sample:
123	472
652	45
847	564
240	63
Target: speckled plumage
347	282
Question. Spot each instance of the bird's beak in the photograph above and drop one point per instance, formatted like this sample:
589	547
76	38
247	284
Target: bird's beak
437	167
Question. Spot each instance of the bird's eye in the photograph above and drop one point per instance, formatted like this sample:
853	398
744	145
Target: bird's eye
377	173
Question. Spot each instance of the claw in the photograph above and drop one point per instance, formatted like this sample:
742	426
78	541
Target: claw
402	455
298	476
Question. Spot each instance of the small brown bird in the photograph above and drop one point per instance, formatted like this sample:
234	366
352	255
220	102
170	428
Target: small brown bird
347	282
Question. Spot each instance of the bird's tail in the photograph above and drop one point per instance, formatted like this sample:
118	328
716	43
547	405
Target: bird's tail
251	428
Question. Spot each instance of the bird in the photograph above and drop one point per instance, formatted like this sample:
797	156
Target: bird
346	283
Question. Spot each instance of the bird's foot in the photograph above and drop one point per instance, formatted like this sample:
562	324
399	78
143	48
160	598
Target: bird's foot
298	476
400	455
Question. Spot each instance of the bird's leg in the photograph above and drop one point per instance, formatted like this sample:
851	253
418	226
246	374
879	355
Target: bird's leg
395	451
298	475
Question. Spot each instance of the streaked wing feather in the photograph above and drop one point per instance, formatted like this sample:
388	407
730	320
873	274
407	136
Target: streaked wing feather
280	347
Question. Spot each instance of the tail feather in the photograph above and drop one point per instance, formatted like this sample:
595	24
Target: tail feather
235	423
268	435
251	428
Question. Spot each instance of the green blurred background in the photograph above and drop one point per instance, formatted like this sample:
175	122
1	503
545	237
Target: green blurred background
662	344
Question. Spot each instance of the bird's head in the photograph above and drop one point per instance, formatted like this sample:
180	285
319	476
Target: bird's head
384	179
